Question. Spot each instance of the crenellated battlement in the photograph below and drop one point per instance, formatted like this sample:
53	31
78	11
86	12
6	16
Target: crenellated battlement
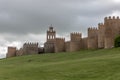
76	34
92	32
100	25
92	37
60	39
112	18
30	48
30	44
92	29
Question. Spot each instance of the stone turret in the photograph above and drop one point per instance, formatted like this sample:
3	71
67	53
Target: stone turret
11	52
75	43
76	36
30	48
112	29
49	45
51	34
101	35
60	45
92	38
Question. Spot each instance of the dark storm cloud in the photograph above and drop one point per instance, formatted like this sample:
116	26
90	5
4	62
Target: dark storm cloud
27	16
35	16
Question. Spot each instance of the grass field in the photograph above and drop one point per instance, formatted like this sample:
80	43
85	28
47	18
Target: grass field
83	65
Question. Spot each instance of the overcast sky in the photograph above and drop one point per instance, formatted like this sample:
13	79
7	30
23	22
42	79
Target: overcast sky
27	20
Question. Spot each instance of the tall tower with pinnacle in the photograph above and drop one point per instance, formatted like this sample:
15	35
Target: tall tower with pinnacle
49	46
51	34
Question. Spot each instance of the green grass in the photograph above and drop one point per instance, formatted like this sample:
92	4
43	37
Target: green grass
83	65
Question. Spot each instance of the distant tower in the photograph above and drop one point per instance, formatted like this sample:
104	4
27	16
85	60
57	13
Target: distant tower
30	48
92	38
76	37
101	35
51	34
11	52
49	46
112	26
75	42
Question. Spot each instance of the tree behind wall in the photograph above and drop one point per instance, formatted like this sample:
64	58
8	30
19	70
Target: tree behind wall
117	41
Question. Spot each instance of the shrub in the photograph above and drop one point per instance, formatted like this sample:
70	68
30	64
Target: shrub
117	41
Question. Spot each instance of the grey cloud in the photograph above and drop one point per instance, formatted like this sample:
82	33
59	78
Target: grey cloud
21	17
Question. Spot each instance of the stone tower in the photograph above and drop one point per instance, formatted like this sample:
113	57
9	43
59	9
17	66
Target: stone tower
101	35
112	29
75	37
49	46
60	45
84	43
75	43
30	48
51	34
11	52
92	38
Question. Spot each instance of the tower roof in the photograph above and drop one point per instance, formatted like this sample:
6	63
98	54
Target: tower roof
51	27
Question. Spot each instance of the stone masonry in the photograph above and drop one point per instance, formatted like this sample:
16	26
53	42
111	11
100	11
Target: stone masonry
99	37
